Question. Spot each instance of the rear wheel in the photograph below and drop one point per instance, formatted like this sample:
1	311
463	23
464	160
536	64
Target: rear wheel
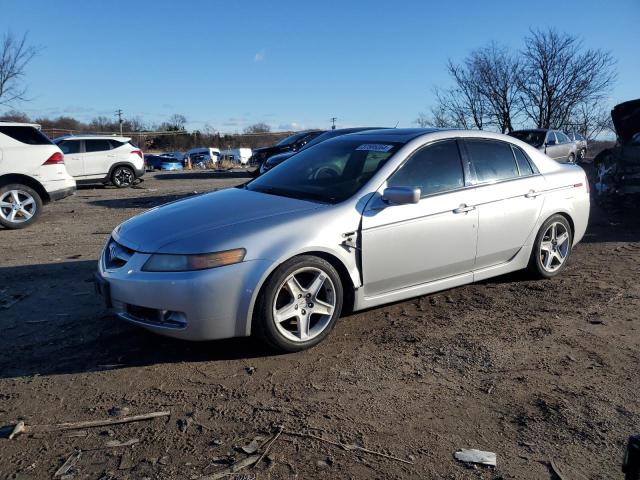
20	206
582	154
299	305
123	177
552	248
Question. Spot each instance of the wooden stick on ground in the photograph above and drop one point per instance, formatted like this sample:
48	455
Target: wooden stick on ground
273	440
93	423
346	447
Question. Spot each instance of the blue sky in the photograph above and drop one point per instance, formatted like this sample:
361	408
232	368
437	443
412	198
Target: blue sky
291	64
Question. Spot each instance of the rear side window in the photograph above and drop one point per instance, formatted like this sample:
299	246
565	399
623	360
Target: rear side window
97	145
115	143
28	135
551	137
435	168
493	161
70	146
523	162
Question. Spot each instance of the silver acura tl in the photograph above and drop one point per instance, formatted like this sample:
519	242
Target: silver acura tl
354	222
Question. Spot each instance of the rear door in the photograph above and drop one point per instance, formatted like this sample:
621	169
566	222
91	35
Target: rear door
552	149
72	150
98	157
509	199
408	245
565	145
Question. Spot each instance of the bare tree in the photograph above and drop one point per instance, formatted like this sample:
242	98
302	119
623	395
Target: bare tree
15	55
559	75
260	127
590	120
15	116
497	74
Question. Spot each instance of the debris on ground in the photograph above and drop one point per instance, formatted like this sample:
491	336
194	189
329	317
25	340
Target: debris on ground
68	464
476	456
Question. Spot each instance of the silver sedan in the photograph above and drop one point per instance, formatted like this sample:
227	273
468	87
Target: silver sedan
354	222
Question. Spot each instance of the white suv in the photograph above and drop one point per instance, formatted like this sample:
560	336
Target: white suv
104	159
32	173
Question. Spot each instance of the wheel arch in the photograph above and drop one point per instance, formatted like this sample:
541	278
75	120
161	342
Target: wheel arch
348	286
28	181
121	164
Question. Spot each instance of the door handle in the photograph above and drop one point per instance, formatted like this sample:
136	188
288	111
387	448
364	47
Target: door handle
532	194
464	208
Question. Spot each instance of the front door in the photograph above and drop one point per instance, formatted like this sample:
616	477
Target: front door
413	244
72	157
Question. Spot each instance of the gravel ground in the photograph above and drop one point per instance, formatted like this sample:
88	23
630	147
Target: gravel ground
532	370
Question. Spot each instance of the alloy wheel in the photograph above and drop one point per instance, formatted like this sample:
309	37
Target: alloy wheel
123	177
304	304
17	206
554	247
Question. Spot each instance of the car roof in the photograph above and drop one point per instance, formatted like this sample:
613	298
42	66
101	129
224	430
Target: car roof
402	135
20	124
93	137
534	130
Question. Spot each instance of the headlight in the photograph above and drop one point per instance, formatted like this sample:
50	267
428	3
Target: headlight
161	262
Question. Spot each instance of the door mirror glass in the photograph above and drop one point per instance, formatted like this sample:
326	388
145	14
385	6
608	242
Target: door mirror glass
550	142
401	195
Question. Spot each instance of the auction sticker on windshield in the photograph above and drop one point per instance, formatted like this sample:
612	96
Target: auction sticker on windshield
375	147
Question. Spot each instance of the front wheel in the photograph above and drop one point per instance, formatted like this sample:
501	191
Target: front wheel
20	206
582	154
123	177
552	248
572	158
299	305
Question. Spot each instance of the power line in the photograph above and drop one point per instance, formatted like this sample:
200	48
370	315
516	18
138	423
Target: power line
119	114
333	123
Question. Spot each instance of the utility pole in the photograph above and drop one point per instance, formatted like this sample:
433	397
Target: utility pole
333	123
119	114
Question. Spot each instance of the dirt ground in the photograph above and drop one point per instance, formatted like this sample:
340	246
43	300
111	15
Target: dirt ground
532	370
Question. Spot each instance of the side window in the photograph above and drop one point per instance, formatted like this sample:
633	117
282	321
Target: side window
551	138
96	145
562	138
435	168
70	146
115	143
493	161
25	134
523	162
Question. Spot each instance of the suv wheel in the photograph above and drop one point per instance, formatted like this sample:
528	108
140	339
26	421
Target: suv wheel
123	177
299	305
572	158
20	206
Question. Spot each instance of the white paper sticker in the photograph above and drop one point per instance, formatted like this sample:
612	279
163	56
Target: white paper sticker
375	147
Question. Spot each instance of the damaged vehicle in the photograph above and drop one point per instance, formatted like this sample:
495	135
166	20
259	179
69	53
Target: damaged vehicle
356	221
617	169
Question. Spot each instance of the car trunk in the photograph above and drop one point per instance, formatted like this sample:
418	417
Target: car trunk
626	119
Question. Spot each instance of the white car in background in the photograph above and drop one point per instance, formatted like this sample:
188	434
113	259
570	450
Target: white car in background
237	155
32	173
203	155
102	159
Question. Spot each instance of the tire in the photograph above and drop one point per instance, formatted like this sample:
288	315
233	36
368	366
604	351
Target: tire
123	176
550	255
572	158
304	288
20	206
582	154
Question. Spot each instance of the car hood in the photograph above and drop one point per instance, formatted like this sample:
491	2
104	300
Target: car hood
210	215
626	119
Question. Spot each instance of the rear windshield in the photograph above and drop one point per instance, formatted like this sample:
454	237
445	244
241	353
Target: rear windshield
532	137
28	135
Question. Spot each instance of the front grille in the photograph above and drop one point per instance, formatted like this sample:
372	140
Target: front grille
116	255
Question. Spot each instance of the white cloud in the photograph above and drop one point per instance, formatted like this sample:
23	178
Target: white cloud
290	126
259	56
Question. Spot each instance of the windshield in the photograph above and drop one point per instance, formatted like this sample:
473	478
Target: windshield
532	137
329	172
291	138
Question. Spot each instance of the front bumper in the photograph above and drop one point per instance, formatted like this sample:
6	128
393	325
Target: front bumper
201	305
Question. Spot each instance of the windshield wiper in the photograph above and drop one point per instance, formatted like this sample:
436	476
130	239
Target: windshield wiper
294	194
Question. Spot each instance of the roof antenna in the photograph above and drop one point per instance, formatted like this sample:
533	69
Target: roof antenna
397	124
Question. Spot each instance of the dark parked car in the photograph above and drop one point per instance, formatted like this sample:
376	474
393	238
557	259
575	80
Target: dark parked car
281	157
153	162
292	143
617	169
552	142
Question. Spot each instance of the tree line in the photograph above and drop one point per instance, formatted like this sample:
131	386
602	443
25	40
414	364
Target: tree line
553	81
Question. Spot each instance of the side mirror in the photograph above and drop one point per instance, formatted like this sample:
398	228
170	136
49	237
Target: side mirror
401	195
550	143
